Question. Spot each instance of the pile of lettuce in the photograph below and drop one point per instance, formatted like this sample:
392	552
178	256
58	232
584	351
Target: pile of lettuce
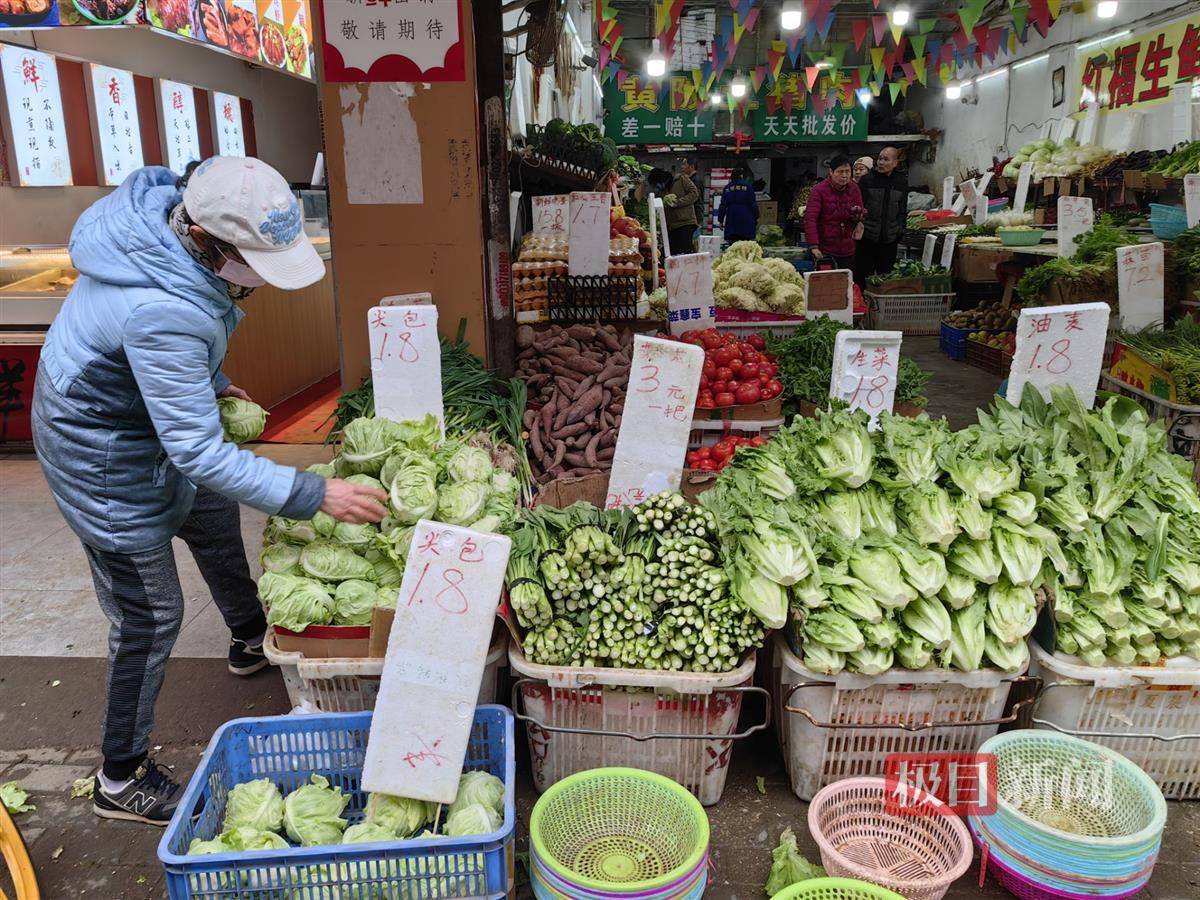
320	571
912	546
743	279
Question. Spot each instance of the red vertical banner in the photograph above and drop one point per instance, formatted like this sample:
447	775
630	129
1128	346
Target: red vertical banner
73	89
204	125
143	89
248	128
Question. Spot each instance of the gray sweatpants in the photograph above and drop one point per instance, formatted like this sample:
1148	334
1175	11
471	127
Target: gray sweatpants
141	595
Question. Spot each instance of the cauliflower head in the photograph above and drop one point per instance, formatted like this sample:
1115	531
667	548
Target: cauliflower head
754	277
783	271
745	250
786	298
739	298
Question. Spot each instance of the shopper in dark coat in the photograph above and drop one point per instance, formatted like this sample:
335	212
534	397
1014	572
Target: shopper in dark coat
885	195
679	205
738	213
831	219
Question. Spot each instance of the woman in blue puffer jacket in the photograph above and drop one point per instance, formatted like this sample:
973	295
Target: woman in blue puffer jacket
126	428
738	212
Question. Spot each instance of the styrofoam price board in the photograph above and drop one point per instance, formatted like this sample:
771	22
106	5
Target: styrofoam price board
1140	275
436	653
664	379
948	251
948	192
1023	176
1075	218
1059	345
927	250
587	240
406	362
865	367
1191	199
690	301
830	293
551	214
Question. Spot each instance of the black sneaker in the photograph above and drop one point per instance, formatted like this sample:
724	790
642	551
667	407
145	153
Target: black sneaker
244	659
150	797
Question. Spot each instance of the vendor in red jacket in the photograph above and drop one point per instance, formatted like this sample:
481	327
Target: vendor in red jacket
833	217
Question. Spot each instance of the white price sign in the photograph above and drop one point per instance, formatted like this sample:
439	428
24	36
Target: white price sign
406	362
1191	199
690	293
927	250
1059	345
117	132
947	192
587	242
1140	285
434	662
663	380
865	365
227	123
1075	218
948	252
1022	194
550	214
1087	131
35	118
177	120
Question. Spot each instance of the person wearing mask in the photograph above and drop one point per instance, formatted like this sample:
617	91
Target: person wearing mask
832	218
885	196
862	166
738	212
126	429
679	204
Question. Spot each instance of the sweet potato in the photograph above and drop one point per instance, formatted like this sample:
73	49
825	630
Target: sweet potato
589	452
608	338
535	439
569	431
587	403
582	332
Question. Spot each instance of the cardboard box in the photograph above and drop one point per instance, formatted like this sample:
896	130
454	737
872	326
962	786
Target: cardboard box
746	412
768	212
326	641
1150	181
976	265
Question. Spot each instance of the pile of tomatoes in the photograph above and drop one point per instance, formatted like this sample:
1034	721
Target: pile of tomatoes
717	457
737	371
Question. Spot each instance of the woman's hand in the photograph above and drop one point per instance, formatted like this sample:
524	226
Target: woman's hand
234	391
815	253
353	503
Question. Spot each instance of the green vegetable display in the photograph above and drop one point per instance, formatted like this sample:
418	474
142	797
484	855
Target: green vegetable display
1183	160
1093	265
241	420
1174	349
743	279
908	268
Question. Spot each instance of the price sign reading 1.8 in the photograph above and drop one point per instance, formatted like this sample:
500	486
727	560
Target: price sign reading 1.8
1140	274
550	214
1059	345
865	366
690	293
588	229
406	361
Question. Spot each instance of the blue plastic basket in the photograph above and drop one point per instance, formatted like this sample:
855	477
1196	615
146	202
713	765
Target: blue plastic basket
1167	222
288	749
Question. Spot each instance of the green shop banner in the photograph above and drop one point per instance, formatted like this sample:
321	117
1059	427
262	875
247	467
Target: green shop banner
807	126
643	113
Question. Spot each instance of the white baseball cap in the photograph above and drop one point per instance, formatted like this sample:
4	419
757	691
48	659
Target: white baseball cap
244	202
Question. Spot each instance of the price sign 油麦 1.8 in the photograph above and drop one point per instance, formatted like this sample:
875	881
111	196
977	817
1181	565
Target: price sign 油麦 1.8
1059	345
690	302
865	367
406	362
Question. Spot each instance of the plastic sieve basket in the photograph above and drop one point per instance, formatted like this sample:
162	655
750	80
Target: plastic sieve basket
916	855
835	889
619	831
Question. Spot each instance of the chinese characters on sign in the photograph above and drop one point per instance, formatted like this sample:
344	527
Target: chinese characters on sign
116	122
642	113
657	420
690	303
806	125
1140	68
227	123
550	213
965	783
1059	345
1140	285
1075	218
406	362
427	695
35	114
865	364
177	118
393	40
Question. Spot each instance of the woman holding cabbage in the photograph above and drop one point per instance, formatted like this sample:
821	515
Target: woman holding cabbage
127	431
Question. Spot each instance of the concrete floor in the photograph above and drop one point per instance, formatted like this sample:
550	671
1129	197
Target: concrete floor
52	645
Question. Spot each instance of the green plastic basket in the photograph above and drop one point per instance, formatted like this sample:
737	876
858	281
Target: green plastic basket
1012	238
835	889
619	830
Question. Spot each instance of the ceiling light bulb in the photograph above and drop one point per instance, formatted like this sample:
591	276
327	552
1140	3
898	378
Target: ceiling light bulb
1106	9
792	16
656	63
864	96
900	16
737	87
953	91
715	98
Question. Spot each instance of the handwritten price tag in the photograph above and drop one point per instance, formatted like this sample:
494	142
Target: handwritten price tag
1140	285
657	419
1022	194
1191	199
434	662
587	242
552	213
927	250
1075	218
1059	345
948	252
865	365
690	293
406	362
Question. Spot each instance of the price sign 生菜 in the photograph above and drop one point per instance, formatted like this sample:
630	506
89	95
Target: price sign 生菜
406	362
865	366
177	103
1140	285
652	442
117	132
35	116
227	123
1075	218
1059	345
393	40
690	302
588	230
434	662
551	214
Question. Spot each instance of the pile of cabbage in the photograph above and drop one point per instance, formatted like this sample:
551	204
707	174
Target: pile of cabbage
258	816
241	420
744	279
1058	160
913	547
323	572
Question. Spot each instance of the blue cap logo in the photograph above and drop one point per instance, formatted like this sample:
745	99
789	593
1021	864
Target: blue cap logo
282	225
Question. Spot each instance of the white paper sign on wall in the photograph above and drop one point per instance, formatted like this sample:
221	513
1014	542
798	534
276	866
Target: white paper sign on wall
690	301
227	124
1059	345
117	132
1022	194
434	662
177	121
1047	129
981	209
1075	218
406	362
1191	199
948	252
1140	285
35	118
927	249
1087	131
947	192
551	213
1066	129
865	364
587	243
663	381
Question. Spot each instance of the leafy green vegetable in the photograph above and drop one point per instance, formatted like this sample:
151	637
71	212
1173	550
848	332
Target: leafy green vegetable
294	602
242	420
312	813
399	815
472	819
787	865
256	804
14	798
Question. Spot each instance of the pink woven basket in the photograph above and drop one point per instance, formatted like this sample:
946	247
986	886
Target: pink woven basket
918	856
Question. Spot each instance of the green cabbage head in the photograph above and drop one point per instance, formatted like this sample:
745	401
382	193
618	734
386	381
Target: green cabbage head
241	420
312	813
256	804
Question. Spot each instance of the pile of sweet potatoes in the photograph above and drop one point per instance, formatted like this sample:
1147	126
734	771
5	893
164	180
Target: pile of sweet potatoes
577	378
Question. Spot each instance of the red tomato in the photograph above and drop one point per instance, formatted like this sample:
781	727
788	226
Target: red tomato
723	373
721	451
756	341
748	393
707	465
723	356
719	387
704	401
724	398
751	355
772	389
768	368
710	340
709	369
748	372
733	384
758	441
735	365
703	452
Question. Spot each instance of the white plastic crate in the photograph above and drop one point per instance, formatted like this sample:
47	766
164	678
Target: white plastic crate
705	434
350	684
909	313
1149	714
900	711
678	724
745	329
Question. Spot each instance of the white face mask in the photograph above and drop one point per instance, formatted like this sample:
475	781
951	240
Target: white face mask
240	274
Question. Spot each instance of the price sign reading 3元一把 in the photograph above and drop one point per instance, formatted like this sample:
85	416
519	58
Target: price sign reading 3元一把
551	213
690	302
1140	285
406	362
434	662
1059	345
663	380
865	367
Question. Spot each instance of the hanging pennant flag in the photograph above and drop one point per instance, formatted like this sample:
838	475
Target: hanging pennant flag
1012	43
876	88
759	75
889	63
907	69
838	52
603	59
864	74
1039	13
823	28
934	47
818	103
926	25
947	53
793	51
980	33
752	19
879	25
970	13
918	44
742	6
961	39
859	29
904	87
897	33
894	88
877	59
1019	13
810	76
918	67
1054	6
